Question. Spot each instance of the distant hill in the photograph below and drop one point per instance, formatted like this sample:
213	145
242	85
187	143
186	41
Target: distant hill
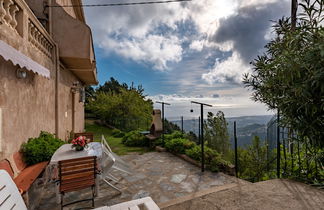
247	127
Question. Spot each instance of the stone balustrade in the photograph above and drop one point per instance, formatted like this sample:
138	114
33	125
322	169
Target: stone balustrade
8	11
36	37
17	16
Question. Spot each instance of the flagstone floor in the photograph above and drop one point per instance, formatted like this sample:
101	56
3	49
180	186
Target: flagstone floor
162	176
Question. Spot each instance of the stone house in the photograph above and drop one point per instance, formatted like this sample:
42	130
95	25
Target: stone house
46	58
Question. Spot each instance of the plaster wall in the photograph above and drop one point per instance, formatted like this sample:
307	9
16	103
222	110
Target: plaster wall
28	107
65	106
69	10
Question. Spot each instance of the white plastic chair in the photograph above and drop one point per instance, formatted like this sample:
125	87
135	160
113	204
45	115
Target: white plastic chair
111	162
10	197
119	164
142	203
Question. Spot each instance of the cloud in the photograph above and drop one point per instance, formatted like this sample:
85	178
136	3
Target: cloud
229	70
145	34
152	49
244	34
198	47
180	105
156	34
247	29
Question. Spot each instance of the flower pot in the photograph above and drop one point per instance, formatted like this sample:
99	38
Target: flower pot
78	148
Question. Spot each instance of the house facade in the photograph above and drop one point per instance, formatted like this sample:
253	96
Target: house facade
46	58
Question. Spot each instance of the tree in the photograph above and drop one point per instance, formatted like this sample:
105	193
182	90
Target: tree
215	132
89	94
114	86
126	110
170	127
253	161
290	75
193	137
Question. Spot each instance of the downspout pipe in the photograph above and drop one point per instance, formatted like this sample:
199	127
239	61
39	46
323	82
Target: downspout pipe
57	79
57	72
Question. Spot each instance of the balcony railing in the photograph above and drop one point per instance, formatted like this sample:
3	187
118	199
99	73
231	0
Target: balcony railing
19	25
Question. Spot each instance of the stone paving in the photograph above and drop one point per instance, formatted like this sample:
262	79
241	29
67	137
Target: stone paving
278	194
162	176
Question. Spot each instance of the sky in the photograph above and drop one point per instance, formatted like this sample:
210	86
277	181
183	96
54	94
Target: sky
182	52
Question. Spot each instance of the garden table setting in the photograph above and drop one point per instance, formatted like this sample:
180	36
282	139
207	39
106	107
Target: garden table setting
68	151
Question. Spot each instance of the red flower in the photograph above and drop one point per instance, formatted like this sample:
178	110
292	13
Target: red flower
81	141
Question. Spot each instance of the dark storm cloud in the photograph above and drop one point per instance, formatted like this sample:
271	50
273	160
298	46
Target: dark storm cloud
247	28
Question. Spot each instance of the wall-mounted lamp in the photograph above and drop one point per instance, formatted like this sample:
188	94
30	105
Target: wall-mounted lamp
77	87
21	73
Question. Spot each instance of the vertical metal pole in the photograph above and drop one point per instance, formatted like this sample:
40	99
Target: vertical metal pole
292	157
235	142
294	5
268	143
284	150
199	138
162	123
202	138
278	146
182	124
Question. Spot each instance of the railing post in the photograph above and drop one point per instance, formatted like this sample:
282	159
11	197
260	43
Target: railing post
278	146
199	130
235	142
182	124
202	132
202	138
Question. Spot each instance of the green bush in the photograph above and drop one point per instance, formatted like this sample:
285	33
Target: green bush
117	133
174	135
213	159
158	142
178	145
41	148
194	153
135	139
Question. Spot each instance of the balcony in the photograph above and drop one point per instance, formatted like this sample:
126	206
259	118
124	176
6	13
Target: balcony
20	29
74	39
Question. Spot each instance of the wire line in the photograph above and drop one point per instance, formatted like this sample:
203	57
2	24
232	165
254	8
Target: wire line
119	4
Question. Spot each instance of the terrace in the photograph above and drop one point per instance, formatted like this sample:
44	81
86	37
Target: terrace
162	176
176	184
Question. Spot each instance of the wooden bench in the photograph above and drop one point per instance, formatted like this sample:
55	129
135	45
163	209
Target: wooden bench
88	135
27	174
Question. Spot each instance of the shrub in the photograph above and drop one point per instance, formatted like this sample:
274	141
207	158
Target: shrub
134	139
158	142
117	133
174	135
178	145
195	153
41	148
213	159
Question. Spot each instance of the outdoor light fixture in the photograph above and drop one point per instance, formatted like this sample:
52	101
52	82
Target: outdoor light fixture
191	110
77	87
21	73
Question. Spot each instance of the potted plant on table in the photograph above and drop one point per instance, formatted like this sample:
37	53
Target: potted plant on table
79	143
